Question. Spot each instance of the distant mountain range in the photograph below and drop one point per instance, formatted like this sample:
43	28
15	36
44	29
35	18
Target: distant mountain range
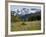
29	15
25	11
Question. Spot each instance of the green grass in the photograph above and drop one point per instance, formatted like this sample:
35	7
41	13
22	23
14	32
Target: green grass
32	25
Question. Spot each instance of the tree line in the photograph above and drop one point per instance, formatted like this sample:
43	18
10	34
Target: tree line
32	17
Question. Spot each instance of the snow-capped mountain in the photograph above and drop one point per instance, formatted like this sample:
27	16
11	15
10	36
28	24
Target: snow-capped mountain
25	11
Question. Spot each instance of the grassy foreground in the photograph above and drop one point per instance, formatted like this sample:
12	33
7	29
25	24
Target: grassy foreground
26	26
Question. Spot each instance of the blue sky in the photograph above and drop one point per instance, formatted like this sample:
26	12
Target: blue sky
15	7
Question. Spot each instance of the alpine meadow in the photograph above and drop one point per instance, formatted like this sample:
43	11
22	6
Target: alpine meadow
25	18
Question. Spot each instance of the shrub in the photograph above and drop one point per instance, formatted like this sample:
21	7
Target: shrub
23	23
